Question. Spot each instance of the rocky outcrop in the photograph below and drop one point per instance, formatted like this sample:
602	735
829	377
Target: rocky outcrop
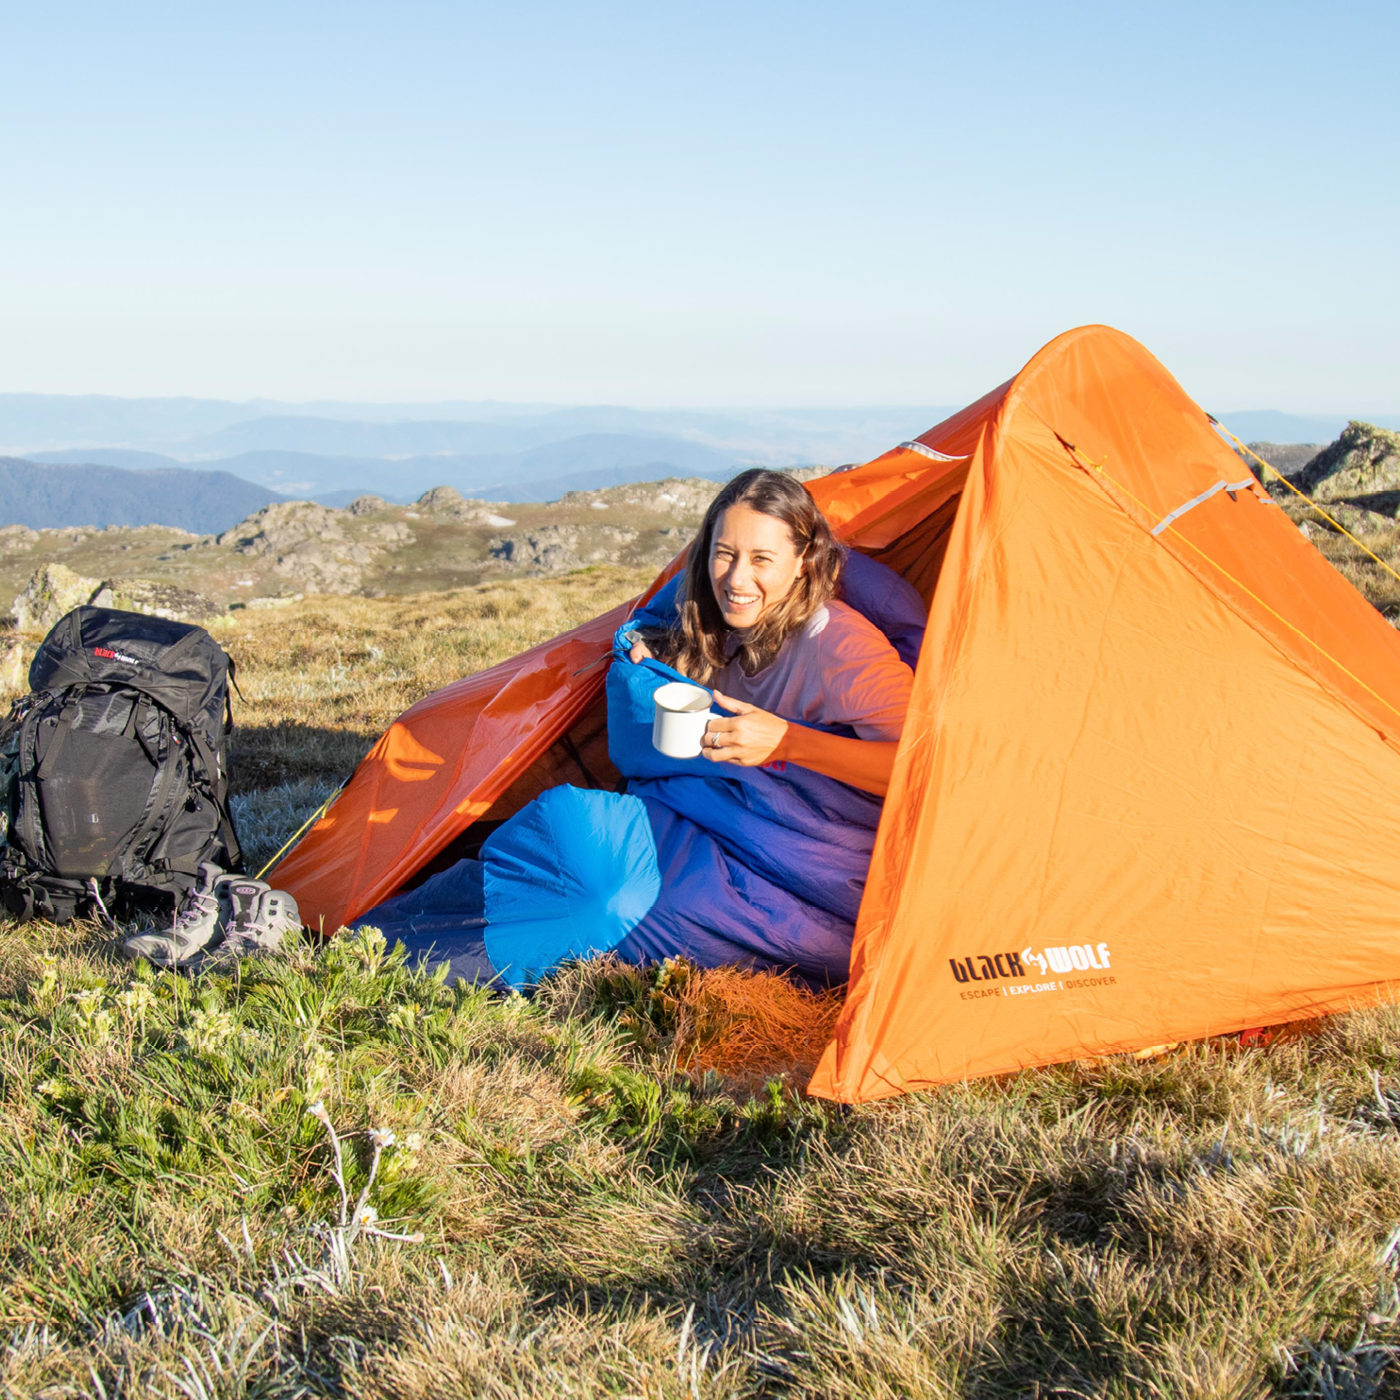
367	505
1362	465
552	549
156	600
682	498
17	537
283	526
53	591
325	565
291	549
448	501
555	549
1358	519
310	546
1288	457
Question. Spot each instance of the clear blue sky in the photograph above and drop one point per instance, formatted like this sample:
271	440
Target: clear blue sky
752	203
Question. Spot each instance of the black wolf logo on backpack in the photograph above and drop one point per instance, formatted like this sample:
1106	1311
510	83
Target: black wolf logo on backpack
114	769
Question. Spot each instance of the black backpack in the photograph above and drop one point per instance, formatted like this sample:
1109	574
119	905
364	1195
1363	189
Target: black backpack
114	769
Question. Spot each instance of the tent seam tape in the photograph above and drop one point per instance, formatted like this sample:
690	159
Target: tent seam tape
1231	486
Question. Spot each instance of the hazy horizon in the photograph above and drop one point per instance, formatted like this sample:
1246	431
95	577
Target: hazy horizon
493	408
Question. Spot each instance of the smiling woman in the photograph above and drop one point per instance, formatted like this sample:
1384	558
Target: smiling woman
759	623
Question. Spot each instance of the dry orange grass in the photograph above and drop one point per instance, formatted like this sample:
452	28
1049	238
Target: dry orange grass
748	1027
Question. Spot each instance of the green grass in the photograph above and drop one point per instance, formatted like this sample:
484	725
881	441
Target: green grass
597	1222
605	1212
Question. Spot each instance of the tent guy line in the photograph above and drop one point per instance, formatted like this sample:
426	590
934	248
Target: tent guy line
286	845
1330	519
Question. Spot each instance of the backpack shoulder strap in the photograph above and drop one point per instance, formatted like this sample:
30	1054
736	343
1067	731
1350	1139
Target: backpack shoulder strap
54	751
216	791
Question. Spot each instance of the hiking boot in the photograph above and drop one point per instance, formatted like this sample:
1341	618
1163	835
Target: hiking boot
256	917
197	926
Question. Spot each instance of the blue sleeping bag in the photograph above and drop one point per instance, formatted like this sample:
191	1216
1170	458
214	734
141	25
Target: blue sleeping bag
761	867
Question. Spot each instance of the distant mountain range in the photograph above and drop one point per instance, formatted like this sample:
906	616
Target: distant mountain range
335	451
204	502
332	452
32	422
540	473
193	428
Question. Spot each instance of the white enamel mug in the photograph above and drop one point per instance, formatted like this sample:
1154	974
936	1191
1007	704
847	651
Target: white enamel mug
681	713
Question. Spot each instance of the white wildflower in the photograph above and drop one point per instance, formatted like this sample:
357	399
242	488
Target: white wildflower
44	993
413	1142
366	946
208	1030
137	999
366	1215
97	1023
382	1138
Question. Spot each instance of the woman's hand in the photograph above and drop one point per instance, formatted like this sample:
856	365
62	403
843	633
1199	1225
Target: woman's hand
754	737
750	738
641	652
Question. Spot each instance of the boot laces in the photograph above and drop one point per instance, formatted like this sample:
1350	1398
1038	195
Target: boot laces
194	908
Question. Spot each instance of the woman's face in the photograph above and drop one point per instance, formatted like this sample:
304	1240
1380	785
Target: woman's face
753	564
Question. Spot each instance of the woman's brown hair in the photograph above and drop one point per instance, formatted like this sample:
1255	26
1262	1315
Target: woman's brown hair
695	646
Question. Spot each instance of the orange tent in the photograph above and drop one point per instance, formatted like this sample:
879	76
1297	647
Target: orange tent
1149	785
